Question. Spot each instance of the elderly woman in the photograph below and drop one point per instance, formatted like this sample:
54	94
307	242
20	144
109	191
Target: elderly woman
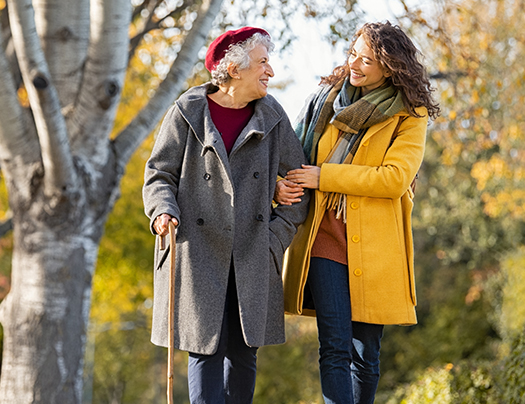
351	262
212	172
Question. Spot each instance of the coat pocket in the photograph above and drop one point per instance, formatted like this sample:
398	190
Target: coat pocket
160	255
276	252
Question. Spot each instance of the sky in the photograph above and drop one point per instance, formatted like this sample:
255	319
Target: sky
311	56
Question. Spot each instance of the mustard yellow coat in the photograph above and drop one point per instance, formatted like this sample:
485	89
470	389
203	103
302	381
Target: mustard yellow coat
378	228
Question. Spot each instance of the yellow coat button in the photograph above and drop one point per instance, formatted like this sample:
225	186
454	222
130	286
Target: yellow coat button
358	272
356	238
354	205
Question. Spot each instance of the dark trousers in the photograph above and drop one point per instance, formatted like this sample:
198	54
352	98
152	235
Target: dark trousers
349	350
227	376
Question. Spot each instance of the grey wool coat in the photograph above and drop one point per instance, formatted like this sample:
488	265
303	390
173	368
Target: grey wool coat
224	208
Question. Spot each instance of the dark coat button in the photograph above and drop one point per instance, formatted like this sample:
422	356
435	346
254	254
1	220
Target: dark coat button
256	174
207	176
200	222
259	217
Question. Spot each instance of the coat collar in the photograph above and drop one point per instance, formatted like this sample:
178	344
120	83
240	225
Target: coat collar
193	106
378	127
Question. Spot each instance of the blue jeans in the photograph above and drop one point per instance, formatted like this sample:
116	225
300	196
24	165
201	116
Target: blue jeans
348	350
227	376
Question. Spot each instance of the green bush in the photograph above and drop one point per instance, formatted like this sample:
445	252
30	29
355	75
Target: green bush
477	380
432	386
509	317
466	383
474	383
513	383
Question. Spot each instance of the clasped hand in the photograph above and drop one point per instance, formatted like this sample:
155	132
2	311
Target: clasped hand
291	189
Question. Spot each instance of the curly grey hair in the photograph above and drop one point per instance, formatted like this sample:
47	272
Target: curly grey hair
238	54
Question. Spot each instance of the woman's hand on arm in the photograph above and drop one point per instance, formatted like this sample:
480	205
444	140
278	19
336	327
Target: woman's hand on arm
160	225
307	176
287	192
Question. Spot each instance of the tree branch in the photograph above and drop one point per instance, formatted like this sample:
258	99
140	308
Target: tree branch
103	78
50	124
10	54
152	24
451	76
9	47
63	28
147	4
133	135
17	137
135	41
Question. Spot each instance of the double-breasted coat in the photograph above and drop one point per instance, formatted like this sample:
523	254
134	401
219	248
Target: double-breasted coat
224	207
378	227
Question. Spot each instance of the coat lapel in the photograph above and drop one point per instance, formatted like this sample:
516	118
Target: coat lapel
195	110
378	127
262	122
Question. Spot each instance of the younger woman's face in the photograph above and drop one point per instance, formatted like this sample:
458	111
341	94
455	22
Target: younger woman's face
365	71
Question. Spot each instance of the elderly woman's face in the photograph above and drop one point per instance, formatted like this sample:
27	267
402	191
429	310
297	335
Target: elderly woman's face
253	80
365	71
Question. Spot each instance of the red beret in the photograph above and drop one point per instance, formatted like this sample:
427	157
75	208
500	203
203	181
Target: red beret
220	45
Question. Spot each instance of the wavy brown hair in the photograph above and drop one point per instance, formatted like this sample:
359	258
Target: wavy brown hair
397	54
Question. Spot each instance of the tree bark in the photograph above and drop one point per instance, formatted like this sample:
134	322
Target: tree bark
104	74
45	316
65	27
43	97
63	174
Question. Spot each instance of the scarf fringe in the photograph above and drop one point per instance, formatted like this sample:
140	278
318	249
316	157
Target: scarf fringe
337	202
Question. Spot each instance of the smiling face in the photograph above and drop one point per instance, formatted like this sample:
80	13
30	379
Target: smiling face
365	71
253	81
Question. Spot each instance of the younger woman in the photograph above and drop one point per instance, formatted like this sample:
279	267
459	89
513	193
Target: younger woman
351	262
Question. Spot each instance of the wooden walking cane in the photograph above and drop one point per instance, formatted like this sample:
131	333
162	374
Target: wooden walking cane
171	301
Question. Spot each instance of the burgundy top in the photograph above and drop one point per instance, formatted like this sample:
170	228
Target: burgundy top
230	121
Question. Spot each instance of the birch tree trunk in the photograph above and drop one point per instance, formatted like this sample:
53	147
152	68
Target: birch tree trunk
63	172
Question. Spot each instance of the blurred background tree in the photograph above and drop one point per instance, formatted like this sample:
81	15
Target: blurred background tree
469	211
